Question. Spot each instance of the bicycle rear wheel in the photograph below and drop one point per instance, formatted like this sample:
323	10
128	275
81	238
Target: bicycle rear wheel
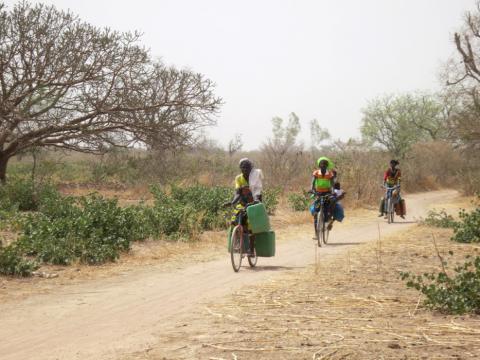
236	250
252	260
320	227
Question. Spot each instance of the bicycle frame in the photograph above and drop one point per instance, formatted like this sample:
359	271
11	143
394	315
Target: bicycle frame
322	216
389	191
323	200
390	202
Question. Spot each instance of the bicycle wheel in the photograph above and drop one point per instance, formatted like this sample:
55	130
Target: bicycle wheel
236	250
320	227
325	237
252	260
392	212
389	210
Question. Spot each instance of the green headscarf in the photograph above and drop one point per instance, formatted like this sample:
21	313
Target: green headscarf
330	165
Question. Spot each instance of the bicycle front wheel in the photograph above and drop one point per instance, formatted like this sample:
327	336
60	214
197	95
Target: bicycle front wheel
320	227
390	210
236	250
325	237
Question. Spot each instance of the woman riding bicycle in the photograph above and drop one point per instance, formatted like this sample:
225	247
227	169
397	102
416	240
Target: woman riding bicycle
248	189
391	178
323	181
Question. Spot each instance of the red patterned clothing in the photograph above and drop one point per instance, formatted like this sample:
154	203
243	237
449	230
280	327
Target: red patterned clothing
392	177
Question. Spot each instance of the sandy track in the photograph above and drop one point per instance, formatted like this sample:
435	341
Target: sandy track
105	318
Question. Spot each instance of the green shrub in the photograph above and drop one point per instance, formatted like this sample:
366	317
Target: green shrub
94	230
298	202
205	203
270	199
13	263
440	219
467	230
90	229
455	295
23	194
188	210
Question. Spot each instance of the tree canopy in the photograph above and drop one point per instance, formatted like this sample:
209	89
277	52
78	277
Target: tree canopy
67	84
396	122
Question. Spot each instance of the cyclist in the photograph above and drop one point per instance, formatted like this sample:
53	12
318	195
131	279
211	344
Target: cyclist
248	188
391	178
323	181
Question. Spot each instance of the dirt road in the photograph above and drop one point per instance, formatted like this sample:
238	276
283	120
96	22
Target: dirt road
105	318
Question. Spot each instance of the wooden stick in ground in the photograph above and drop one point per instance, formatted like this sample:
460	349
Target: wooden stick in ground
439	256
379	250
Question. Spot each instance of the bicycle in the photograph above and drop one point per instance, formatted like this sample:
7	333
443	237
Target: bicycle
390	202
323	203
238	244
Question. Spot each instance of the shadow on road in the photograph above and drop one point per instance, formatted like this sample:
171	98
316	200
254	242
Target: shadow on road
275	268
343	243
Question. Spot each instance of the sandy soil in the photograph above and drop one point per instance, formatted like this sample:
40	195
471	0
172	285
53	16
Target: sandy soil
352	306
108	317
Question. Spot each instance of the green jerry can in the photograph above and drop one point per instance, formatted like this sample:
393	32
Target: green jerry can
246	242
265	244
258	218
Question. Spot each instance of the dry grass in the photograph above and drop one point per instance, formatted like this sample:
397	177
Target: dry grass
353	306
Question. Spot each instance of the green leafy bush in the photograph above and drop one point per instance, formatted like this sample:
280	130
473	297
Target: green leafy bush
23	194
298	202
467	230
94	230
440	219
455	295
13	263
204	203
188	210
270	199
90	229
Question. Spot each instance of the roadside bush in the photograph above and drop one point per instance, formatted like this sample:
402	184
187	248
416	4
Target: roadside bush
23	194
467	230
270	199
13	263
94	230
298	202
440	219
90	229
205	203
187	211
454	295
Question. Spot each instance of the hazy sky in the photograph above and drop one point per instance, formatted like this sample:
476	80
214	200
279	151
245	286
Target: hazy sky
320	59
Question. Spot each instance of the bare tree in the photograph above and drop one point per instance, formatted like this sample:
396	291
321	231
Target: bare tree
317	134
463	78
281	152
235	144
67	84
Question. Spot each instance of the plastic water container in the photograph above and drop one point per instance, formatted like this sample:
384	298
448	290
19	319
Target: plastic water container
258	218
265	244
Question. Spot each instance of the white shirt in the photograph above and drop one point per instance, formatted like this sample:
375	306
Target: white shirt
255	182
338	193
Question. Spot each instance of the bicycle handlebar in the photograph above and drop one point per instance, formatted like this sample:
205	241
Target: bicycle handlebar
391	187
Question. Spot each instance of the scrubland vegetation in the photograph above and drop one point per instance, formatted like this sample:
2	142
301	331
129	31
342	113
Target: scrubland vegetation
78	130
